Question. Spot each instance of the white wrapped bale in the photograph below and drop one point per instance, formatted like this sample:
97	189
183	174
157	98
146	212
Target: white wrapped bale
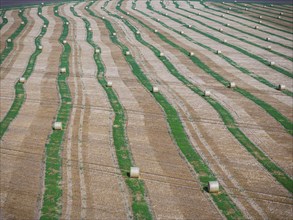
22	80
103	18
127	53
158	19
260	16
181	32
281	87
232	85
127	13
268	39
134	172
155	89
213	187
121	17
256	27
90	29
137	32
156	31
97	51
161	54
109	84
189	26
64	42
40	13
67	23
114	34
281	13
260	22
225	41
207	93
63	70
227	24
22	22
221	29
56	11
272	63
191	53
9	40
19	11
219	52
279	17
45	26
222	16
40	47
269	47
57	126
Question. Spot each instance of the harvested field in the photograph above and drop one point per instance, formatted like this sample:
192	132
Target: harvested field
91	66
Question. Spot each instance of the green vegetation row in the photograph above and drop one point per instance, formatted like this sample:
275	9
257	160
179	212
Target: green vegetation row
286	123
229	60
212	37
282	7
260	12
234	28
242	23
227	118
139	205
51	208
19	87
4	20
242	17
9	45
222	200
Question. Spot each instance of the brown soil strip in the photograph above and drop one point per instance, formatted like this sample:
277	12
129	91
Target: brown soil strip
153	149
90	197
13	23
245	112
16	62
22	147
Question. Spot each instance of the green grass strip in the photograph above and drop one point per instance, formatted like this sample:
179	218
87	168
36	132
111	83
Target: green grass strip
242	17
222	200
257	11
140	207
51	208
286	123
235	28
4	19
229	60
241	23
212	37
9	45
227	118
19	88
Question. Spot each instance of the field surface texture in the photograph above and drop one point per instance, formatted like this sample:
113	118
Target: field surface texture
190	92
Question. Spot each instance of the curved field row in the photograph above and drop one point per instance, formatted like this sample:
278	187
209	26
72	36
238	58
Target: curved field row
213	36
267	107
178	137
23	144
141	129
19	88
248	110
269	26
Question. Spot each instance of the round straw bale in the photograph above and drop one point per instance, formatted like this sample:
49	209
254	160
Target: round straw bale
57	126
134	172
281	87
213	186
109	84
207	93
22	80
155	89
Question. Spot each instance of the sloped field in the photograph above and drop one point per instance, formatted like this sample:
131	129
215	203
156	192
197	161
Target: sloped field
223	110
